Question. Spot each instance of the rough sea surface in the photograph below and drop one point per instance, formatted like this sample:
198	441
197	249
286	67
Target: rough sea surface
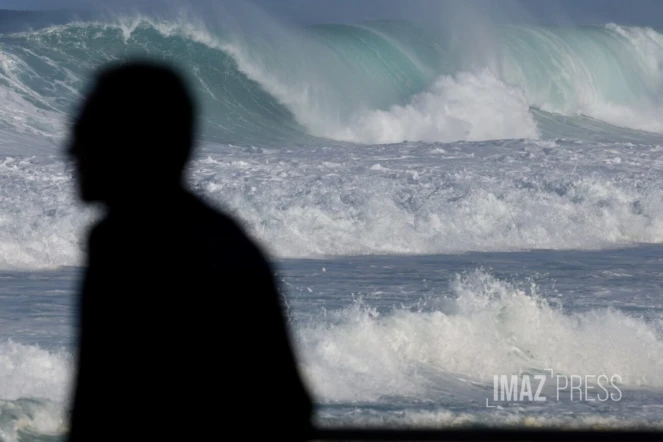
521	234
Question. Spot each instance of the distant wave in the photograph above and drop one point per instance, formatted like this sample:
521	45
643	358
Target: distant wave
381	82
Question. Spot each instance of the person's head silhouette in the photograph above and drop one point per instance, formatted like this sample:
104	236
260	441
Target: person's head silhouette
133	135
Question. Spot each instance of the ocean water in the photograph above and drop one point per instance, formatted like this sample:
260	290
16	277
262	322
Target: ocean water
438	214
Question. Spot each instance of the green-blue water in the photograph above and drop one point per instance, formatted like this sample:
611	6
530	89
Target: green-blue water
339	81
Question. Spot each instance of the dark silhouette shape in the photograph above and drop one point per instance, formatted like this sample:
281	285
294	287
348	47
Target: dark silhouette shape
182	333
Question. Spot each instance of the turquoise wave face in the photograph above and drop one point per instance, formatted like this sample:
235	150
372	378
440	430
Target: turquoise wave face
379	82
560	68
49	70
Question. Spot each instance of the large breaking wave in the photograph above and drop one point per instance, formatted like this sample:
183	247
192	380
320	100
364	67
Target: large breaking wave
380	82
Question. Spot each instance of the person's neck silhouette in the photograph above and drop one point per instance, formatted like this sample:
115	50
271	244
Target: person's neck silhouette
181	328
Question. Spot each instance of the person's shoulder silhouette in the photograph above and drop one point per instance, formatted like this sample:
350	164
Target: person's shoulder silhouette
181	328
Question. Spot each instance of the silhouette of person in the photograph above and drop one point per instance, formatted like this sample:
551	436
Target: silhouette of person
182	334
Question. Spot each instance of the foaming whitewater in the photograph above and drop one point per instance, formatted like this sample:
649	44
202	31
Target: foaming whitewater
429	352
40	224
415	199
399	199
482	327
34	391
469	107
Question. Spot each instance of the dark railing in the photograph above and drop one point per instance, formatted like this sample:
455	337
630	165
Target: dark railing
476	435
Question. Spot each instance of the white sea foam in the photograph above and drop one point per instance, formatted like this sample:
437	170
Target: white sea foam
484	327
404	199
34	391
471	107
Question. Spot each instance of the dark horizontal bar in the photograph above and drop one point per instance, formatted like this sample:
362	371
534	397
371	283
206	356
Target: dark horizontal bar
484	435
